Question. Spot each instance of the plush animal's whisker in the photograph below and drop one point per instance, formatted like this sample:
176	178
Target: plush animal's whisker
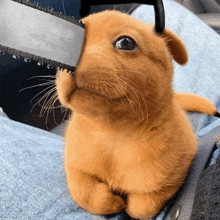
47	76
116	6
49	109
137	100
44	96
47	102
113	88
140	93
41	92
54	118
64	109
49	105
117	90
155	106
65	115
47	80
42	84
121	7
136	91
106	88
128	99
133	72
47	120
50	99
53	107
64	11
136	97
146	107
133	86
134	5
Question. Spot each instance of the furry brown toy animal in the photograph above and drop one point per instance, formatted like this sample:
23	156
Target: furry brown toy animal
129	144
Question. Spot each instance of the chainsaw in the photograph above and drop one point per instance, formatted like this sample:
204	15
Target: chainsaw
32	32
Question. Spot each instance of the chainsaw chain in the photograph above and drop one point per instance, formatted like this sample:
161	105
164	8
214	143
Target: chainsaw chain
51	64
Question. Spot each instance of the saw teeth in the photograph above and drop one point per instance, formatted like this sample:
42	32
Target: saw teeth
26	59
2	52
51	10
49	66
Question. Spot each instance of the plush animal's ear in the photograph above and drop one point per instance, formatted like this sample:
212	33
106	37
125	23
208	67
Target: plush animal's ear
176	47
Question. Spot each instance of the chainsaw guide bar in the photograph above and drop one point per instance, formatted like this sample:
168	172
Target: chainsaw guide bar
51	11
41	34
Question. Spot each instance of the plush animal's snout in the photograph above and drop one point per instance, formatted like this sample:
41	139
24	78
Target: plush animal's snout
97	71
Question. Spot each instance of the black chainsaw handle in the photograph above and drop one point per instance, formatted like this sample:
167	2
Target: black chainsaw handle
159	16
158	8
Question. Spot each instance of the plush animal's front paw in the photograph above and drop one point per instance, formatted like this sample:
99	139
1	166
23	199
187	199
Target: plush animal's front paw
105	202
142	206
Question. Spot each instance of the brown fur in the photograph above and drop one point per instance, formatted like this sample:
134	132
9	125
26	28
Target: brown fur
195	103
128	134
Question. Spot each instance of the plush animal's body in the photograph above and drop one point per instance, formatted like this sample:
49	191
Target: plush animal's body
128	143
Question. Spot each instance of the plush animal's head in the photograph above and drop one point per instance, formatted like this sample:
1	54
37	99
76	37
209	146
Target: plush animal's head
125	69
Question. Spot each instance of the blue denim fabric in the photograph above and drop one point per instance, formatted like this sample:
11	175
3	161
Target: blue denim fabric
32	177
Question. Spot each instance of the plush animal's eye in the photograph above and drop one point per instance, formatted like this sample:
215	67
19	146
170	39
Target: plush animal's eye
125	43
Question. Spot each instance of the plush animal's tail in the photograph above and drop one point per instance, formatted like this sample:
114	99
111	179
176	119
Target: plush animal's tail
195	103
